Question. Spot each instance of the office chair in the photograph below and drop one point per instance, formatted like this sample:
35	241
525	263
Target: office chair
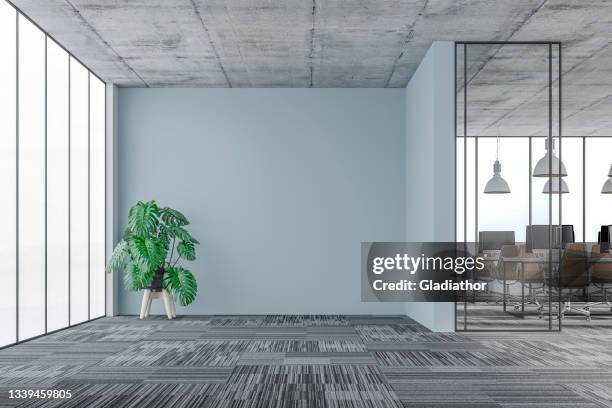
487	274
510	272
601	276
532	275
573	277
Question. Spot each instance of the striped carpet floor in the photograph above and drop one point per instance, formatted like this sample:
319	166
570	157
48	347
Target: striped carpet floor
308	361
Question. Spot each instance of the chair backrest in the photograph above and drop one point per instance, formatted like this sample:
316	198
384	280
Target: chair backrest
574	268
532	272
489	269
506	269
494	240
600	272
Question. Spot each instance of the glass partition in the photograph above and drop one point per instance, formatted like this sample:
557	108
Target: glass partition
506	98
97	197
79	194
8	173
58	222
52	178
545	230
598	206
31	175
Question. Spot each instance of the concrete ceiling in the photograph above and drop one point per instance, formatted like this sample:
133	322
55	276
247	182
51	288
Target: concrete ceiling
346	43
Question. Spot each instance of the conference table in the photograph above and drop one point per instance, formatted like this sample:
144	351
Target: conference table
544	259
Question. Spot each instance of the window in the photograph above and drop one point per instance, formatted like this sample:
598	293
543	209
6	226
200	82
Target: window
597	166
571	203
8	173
514	206
79	197
57	187
52	176
97	183
31	187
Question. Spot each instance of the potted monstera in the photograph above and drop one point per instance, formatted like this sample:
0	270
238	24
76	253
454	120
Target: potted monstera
150	253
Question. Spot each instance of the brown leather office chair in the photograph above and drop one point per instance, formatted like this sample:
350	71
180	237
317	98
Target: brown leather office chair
531	272
532	275
508	273
488	274
573	277
508	270
601	276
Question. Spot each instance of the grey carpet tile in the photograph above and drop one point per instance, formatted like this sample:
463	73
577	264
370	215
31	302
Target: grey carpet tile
305	395
593	391
130	396
35	375
307	374
179	353
304	320
251	359
488	358
210	375
309	361
305	358
237	322
305	346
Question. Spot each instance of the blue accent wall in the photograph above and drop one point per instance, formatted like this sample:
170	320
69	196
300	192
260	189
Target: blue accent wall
430	166
281	186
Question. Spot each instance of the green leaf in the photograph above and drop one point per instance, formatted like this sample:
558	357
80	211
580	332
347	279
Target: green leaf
143	218
186	250
181	284
127	234
164	236
135	278
117	260
182	234
170	216
149	252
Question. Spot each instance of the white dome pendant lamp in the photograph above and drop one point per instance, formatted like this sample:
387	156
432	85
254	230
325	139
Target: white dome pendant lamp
558	186
543	167
607	187
497	185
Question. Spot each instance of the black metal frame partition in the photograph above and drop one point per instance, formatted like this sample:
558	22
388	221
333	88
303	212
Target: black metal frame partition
550	45
20	14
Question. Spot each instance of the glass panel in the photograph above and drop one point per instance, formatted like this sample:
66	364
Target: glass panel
31	180
470	190
571	203
57	187
599	160
79	195
8	174
460	215
518	291
504	212
97	186
545	207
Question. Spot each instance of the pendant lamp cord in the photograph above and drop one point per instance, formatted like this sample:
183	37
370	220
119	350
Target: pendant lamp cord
497	149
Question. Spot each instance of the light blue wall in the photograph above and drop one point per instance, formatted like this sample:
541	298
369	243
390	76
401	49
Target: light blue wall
281	186
430	157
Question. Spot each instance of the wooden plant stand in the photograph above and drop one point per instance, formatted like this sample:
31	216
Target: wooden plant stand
148	297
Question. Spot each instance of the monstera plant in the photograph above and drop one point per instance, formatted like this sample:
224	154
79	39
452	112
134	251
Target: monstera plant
154	243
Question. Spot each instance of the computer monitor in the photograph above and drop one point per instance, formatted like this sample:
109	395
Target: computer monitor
604	238
494	240
537	236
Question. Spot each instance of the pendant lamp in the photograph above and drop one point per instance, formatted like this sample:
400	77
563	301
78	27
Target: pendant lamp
607	187
497	185
543	167
558	186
